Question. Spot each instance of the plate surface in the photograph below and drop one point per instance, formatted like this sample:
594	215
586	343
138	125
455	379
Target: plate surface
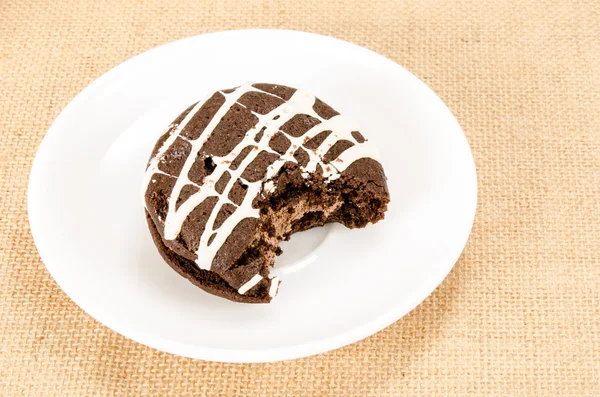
338	285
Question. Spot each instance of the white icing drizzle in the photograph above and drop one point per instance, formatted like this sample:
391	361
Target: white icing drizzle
269	187
274	286
249	284
153	166
301	102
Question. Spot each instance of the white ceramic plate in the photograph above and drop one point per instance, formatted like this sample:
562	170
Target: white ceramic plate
339	285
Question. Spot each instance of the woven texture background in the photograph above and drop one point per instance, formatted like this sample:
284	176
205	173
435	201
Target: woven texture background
520	313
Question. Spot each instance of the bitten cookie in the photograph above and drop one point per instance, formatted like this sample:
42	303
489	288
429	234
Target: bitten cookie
238	173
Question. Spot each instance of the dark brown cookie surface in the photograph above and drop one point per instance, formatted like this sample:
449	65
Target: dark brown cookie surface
238	173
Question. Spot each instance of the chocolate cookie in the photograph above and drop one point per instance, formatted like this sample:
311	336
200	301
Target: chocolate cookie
238	173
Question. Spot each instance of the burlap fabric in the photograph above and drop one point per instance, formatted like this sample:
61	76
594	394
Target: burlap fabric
520	313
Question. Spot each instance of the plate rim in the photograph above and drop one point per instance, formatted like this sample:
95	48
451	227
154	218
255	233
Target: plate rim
247	355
